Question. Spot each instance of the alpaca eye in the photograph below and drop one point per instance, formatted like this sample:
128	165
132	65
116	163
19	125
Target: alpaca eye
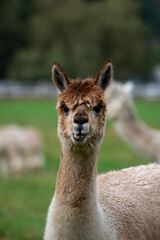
97	108
65	108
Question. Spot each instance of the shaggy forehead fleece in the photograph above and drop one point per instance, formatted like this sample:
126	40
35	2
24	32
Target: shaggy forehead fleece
82	91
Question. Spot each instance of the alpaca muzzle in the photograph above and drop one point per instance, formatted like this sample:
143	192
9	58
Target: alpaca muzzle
80	132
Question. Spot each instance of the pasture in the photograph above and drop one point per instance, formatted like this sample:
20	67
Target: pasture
24	201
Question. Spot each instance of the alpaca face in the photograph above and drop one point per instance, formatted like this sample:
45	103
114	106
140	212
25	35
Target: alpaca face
81	108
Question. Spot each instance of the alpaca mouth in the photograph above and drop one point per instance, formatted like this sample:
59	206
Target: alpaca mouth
80	132
79	137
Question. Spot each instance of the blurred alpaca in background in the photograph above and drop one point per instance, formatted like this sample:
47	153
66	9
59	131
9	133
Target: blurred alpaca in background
20	150
133	131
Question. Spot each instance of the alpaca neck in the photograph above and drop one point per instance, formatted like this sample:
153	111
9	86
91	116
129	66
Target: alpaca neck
129	113
75	209
136	133
128	122
76	179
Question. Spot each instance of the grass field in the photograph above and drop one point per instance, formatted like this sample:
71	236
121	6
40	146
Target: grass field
24	201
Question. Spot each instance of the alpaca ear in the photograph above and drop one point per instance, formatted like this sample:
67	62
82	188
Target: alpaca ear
104	76
59	77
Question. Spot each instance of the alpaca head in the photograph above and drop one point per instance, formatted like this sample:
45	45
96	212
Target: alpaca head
119	99
81	107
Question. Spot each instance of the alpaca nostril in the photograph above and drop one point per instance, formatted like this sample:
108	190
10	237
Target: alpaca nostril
85	120
76	121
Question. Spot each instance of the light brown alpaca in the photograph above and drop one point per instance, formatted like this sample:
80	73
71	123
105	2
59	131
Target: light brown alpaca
119	205
139	136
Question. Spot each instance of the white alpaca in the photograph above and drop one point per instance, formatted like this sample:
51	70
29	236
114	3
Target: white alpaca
118	205
121	110
20	150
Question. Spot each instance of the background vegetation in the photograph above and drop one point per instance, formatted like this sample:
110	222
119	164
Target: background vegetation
24	201
81	35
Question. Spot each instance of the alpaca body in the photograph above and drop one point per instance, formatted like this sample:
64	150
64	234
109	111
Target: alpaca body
131	200
131	129
120	205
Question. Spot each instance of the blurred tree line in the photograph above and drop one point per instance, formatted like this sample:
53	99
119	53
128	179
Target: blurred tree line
81	35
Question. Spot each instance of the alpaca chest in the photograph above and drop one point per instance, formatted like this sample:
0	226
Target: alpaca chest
65	222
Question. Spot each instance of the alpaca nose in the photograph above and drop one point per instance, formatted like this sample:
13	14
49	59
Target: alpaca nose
80	118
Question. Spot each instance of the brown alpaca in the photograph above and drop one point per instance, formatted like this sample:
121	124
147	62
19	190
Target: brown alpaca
118	205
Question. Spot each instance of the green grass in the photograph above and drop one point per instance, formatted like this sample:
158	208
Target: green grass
24	201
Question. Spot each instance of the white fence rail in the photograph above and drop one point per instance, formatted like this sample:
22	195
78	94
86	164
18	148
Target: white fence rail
24	90
149	91
47	90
